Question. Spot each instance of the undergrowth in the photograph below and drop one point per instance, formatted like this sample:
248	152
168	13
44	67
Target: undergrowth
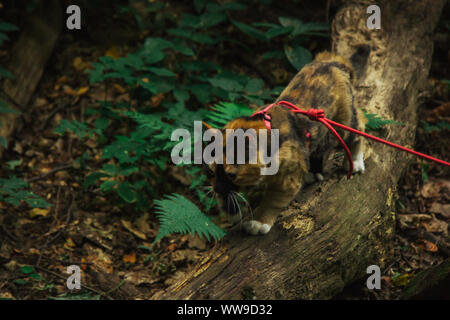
174	76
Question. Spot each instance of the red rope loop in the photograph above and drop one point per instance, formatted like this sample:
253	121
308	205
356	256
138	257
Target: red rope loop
319	115
315	114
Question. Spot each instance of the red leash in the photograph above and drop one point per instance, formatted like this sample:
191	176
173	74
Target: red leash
319	115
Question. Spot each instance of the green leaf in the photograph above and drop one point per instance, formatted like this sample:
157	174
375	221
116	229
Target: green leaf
110	169
93	178
211	19
154	56
101	123
278	31
276	54
107	185
180	46
5	26
297	56
227	84
5	73
3	142
199	5
225	111
254	85
156	44
14	163
20	281
181	95
179	215
129	170
443	125
374	122
301	28
27	269
161	71
36	276
249	30
126	192
4	108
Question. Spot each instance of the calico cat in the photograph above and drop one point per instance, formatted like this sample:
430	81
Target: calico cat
304	145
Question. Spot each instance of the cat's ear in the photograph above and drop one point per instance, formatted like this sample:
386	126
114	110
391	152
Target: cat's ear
207	126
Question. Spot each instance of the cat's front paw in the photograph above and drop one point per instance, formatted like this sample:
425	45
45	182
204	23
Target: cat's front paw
255	227
358	163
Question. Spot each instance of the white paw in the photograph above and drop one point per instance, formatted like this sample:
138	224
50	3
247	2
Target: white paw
358	163
319	176
254	227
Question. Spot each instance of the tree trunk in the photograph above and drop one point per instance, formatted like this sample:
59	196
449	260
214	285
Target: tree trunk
29	56
337	228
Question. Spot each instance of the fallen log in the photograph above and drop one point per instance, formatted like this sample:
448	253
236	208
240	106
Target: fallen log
335	229
430	284
28	58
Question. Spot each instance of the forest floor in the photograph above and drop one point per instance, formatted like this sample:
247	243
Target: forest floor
114	248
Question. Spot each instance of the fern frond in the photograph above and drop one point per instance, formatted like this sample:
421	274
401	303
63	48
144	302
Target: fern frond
435	127
225	111
179	215
374	122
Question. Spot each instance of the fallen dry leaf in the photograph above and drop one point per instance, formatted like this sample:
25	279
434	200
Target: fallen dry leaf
196	242
140	277
82	91
78	64
98	258
119	88
436	226
442	209
62	80
40	102
69	244
142	224
130	258
171	247
84	266
127	225
433	188
39	212
113	52
411	220
426	245
387	279
157	99
69	91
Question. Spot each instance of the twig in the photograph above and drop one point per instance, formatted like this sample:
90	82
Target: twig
51	227
105	294
67	166
14	238
68	215
52	114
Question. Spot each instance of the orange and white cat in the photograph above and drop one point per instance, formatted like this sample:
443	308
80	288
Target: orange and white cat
304	145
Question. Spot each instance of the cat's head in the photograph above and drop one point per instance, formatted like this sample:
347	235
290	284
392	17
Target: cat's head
228	178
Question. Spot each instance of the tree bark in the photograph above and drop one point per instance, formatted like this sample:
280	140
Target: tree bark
430	284
29	56
337	228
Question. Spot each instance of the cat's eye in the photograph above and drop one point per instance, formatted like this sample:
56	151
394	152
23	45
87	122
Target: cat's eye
232	176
